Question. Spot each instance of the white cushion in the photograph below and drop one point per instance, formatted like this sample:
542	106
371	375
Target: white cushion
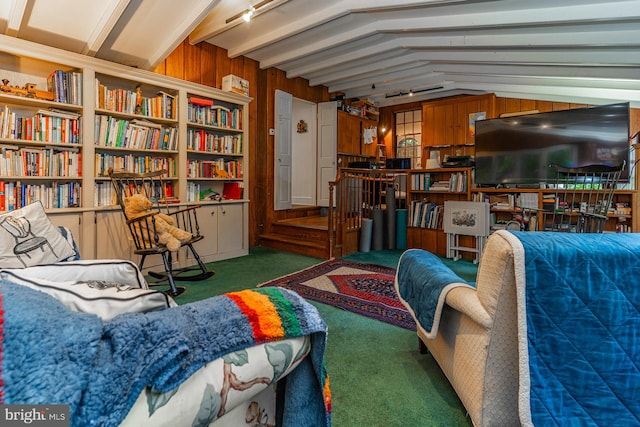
114	270
28	238
105	299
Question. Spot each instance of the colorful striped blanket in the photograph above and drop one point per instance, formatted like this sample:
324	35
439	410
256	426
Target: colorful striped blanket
53	355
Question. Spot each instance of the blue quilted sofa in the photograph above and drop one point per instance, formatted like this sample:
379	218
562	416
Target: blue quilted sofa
549	334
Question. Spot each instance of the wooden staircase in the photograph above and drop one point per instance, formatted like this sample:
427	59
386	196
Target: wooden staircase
306	235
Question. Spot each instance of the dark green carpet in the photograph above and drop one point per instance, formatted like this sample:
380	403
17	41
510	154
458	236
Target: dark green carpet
378	377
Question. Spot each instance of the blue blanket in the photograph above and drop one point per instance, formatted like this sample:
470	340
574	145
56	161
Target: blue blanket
423	280
53	355
581	302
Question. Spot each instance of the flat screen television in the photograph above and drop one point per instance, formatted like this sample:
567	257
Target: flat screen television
518	150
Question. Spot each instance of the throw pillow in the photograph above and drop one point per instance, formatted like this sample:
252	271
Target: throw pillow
27	238
100	297
115	270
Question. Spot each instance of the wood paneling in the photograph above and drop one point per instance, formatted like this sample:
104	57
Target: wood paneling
207	64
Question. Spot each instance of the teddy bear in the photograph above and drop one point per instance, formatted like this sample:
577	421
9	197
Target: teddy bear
169	235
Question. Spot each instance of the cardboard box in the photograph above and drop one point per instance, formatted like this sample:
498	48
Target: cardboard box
235	84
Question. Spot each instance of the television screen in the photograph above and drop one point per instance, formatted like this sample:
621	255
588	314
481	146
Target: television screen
519	150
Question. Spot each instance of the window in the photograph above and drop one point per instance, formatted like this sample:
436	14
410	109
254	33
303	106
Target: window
409	136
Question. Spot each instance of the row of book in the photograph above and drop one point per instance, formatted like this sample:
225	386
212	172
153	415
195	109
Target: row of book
215	115
209	168
105	195
425	181
15	195
163	105
508	201
46	125
134	134
66	86
197	192
425	214
45	162
133	163
207	142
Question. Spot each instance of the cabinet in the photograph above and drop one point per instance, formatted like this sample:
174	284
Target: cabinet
446	124
223	225
351	135
427	190
79	116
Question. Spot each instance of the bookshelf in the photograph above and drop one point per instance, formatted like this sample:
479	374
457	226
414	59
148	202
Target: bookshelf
90	115
40	140
215	149
427	190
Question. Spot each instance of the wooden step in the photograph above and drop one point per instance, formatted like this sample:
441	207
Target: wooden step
310	247
299	232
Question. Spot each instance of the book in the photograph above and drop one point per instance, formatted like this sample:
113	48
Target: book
203	102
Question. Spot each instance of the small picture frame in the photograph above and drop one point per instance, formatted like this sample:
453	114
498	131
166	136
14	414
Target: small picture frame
466	218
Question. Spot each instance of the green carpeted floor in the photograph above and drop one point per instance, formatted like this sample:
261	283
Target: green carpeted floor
378	377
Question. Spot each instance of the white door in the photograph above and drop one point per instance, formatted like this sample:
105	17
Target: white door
327	149
282	166
304	153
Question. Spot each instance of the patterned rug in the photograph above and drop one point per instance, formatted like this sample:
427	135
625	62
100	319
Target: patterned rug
365	289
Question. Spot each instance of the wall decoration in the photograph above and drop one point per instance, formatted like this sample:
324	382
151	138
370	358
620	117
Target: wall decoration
473	117
303	127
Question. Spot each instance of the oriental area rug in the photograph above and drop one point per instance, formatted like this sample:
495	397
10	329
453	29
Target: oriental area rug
365	289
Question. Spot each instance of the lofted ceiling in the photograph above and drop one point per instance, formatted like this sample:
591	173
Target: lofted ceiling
392	52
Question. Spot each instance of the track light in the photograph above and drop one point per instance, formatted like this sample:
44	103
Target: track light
246	17
247	14
411	92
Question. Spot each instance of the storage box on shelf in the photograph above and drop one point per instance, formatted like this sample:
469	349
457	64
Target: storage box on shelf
427	191
61	107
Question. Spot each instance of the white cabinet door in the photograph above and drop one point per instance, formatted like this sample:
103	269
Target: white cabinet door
230	229
223	229
207	248
112	236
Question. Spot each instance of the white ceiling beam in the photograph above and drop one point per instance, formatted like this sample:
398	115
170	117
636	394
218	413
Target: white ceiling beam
575	71
577	91
383	77
369	69
16	16
416	83
181	30
215	22
532	16
103	28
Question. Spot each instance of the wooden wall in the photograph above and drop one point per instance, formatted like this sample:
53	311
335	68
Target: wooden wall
206	64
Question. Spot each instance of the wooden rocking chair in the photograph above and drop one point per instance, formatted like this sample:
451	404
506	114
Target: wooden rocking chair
143	228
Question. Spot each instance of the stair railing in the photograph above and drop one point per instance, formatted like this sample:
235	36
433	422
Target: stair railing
352	197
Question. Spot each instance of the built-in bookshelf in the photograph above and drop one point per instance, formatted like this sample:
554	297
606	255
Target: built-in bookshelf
40	137
215	151
65	119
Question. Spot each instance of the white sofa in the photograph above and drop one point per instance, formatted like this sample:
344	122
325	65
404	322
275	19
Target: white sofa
476	343
549	333
234	388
